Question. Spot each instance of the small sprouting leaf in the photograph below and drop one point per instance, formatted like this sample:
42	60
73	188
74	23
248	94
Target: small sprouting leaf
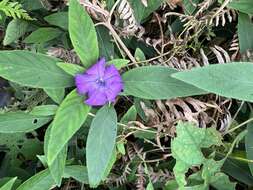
57	94
77	172
33	70
233	80
101	138
15	29
155	82
9	184
58	19
130	115
69	117
44	110
83	34
70	68
118	63
43	35
18	122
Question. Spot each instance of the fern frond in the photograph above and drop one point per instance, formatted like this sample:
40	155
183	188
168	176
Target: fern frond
14	10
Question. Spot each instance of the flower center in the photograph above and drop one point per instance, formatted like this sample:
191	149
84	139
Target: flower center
100	82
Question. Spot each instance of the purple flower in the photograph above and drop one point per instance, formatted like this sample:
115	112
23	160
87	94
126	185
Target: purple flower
102	83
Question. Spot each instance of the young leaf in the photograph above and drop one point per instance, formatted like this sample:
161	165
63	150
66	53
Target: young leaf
233	80
69	117
82	34
58	19
155	82
245	30
17	122
33	70
15	29
118	63
70	68
43	35
9	184
44	110
249	146
100	143
77	172
57	94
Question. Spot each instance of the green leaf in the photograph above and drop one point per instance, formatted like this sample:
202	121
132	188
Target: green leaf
44	110
186	148
221	181
58	19
83	34
33	70
57	94
15	29
118	63
249	146
189	8
77	172
9	184
150	186
245	6
57	167
245	30
105	43
18	122
40	181
130	115
69	117
139	55
43	35
155	82
71	69
233	80
101	138
141	12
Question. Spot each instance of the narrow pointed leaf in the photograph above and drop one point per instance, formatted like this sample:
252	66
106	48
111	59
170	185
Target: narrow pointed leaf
9	184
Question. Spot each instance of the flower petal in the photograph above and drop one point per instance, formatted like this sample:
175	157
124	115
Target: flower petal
96	98
113	90
84	83
97	69
111	71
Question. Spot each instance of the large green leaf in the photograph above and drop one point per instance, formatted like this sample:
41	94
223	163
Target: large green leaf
245	30
33	70
71	69
245	6
233	80
44	181
155	82
15	29
44	110
14	122
100	143
9	184
57	94
57	167
40	181
83	34
43	35
69	117
186	148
